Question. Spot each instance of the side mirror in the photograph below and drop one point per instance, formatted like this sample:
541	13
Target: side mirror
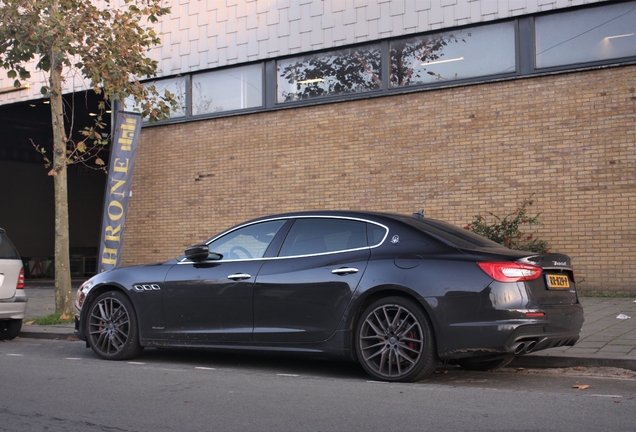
201	252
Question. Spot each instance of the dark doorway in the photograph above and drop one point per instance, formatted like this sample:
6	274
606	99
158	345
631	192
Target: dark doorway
26	189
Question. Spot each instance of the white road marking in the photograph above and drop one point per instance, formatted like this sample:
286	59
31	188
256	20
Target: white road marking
609	396
204	368
288	375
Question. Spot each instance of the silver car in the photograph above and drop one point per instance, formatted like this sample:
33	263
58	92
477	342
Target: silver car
13	300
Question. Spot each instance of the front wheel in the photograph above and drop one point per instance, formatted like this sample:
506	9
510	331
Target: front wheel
112	330
395	342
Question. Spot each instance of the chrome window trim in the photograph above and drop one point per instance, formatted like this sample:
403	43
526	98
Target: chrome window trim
386	234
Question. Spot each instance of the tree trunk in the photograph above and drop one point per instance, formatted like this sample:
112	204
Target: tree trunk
63	291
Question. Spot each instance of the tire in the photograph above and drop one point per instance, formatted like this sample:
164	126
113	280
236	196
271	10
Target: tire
394	341
10	329
484	365
111	327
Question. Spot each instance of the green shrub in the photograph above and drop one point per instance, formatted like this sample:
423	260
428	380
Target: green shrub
507	230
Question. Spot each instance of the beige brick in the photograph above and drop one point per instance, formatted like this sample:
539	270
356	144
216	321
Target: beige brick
570	139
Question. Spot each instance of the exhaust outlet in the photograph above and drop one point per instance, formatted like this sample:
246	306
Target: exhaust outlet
518	348
530	346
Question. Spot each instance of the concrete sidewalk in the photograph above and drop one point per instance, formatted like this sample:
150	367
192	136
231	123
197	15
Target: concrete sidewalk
606	340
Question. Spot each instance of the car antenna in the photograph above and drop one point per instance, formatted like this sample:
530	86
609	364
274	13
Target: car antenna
419	213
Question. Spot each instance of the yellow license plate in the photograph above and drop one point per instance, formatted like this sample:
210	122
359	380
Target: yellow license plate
558	281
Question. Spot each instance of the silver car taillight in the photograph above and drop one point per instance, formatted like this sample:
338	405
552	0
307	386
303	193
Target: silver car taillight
20	284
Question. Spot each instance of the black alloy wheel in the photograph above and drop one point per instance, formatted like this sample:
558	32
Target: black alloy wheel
112	327
394	341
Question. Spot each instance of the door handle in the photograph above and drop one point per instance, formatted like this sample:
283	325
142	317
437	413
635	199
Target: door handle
239	276
345	271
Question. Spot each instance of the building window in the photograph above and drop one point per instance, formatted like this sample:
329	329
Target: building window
587	35
176	86
354	70
227	89
450	56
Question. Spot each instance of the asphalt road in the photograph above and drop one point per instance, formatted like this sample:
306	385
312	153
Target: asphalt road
60	385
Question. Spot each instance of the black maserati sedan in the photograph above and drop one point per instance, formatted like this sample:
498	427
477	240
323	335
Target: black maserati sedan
399	294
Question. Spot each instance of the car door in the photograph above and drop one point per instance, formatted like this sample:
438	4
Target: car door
301	295
212	300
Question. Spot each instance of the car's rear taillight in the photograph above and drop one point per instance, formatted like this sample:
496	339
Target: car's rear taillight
510	271
20	280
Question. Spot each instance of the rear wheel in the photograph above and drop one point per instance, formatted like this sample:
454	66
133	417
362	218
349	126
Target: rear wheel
112	330
10	329
394	341
485	365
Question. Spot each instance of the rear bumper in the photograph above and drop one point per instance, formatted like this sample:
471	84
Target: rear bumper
514	335
561	327
15	307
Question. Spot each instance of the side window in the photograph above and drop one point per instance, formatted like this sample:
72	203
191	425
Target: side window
319	235
7	250
376	234
246	242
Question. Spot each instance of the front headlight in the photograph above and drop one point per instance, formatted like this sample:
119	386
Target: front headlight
82	291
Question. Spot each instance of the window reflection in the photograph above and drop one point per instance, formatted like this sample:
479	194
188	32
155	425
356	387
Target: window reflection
586	35
227	89
315	236
450	56
328	74
602	33
247	242
176	86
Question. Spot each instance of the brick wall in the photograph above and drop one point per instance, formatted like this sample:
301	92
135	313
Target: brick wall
570	139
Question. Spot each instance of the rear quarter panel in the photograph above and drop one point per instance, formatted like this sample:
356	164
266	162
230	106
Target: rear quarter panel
452	291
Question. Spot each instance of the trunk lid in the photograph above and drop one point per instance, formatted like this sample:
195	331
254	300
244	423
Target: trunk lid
9	274
556	285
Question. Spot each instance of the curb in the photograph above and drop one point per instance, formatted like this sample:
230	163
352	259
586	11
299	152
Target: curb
46	332
545	362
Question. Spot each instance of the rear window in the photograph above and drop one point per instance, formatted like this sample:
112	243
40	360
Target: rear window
452	234
7	250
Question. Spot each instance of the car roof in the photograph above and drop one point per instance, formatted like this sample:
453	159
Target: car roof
360	214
